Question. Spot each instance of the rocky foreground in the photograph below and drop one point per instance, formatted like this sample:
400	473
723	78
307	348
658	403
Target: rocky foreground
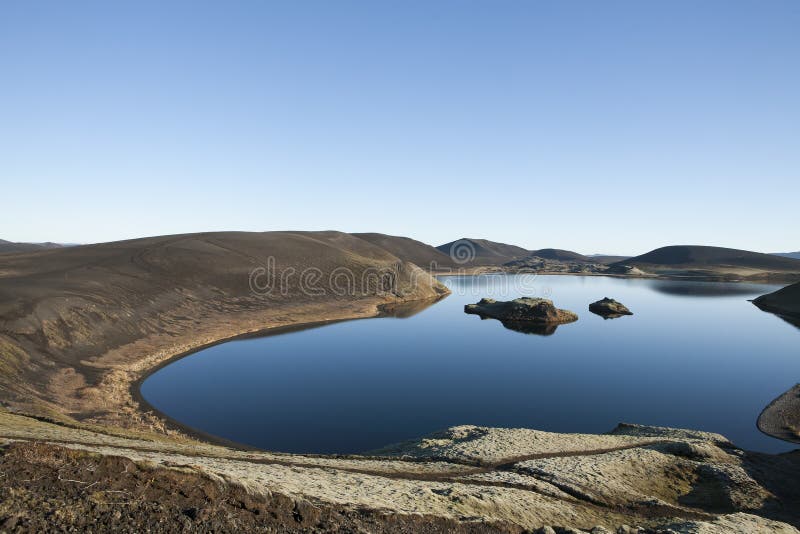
464	479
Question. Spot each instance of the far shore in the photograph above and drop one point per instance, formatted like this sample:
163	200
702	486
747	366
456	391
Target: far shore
673	277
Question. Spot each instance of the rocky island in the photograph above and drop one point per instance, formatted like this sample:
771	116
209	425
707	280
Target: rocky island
522	310
609	308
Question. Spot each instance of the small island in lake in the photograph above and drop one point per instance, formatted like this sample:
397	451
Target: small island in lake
609	308
522	310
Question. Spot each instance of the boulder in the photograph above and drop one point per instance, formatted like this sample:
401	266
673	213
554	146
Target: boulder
609	308
522	310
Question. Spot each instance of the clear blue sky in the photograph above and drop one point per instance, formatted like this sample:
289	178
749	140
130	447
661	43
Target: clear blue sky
610	127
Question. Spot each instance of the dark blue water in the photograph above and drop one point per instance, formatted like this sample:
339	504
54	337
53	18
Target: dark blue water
695	355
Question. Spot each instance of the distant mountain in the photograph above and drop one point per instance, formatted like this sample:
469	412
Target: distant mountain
560	255
466	251
795	255
695	260
568	256
607	258
9	246
407	249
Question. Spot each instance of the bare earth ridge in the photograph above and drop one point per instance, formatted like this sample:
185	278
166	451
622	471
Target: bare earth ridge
79	325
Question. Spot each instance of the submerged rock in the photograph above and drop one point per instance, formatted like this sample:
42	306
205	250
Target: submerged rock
521	311
609	308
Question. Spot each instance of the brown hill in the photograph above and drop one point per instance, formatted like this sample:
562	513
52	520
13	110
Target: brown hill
467	251
607	258
79	324
407	249
714	262
11	247
560	255
795	255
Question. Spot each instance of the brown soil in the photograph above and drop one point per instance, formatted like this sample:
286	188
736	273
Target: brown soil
50	488
715	263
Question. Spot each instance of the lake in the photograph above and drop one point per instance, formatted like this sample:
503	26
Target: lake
694	355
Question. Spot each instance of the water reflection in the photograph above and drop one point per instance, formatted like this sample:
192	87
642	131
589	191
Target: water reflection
607	315
526	327
404	310
531	328
794	321
704	289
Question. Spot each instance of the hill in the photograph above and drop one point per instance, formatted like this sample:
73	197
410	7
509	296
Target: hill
607	258
714	263
407	249
560	255
468	251
795	255
79	324
11	247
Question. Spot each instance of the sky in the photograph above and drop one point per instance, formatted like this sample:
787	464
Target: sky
602	127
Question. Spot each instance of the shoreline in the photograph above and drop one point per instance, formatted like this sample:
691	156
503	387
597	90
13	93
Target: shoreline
331	311
654	276
379	311
461	472
189	431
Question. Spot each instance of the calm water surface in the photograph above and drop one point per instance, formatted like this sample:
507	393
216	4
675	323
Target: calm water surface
695	355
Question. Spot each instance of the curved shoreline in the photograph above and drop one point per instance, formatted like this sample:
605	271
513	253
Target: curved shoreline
380	310
780	418
145	406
